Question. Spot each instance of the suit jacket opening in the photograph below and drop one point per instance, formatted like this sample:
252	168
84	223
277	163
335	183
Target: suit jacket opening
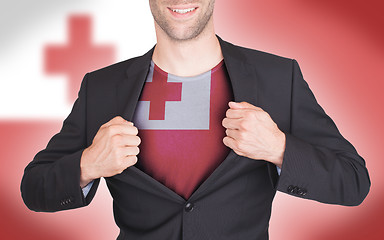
235	201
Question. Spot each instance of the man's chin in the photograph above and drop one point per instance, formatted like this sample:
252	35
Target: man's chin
184	36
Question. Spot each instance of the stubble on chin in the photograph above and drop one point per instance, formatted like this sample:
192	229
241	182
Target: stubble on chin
186	34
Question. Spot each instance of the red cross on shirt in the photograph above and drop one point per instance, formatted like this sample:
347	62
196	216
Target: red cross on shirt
158	92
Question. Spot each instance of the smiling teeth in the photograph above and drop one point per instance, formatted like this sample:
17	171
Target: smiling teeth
182	11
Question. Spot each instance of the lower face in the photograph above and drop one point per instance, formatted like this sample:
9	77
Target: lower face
182	19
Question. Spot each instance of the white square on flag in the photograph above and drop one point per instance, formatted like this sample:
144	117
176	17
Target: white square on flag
191	113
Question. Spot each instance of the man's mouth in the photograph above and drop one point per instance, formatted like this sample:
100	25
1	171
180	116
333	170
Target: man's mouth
183	11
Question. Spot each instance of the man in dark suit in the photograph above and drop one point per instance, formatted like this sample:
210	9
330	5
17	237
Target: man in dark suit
220	128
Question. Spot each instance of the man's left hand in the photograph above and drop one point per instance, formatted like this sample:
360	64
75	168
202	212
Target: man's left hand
252	133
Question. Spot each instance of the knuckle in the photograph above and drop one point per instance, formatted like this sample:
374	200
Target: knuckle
122	164
260	109
118	119
239	153
243	124
118	163
112	129
234	145
120	169
249	114
243	135
132	160
115	139
116	171
237	145
104	127
116	154
263	116
128	123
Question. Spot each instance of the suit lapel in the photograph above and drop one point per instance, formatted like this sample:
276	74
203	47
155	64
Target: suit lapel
241	73
129	88
243	80
128	94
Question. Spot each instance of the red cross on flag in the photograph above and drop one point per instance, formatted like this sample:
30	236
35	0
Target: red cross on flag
78	55
158	91
47	49
174	103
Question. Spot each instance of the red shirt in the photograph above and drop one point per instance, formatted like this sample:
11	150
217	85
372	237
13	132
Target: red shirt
182	144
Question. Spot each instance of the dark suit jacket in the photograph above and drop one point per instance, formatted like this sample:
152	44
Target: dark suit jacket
235	201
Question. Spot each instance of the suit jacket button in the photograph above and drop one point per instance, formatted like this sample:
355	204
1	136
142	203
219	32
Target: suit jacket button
189	207
302	192
291	189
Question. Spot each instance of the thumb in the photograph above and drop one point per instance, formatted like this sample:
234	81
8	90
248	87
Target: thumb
241	105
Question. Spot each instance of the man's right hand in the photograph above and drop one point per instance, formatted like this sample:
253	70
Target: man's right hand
114	148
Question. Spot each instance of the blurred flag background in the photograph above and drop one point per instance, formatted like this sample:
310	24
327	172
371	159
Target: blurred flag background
48	45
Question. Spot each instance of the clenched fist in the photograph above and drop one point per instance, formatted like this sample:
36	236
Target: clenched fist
114	148
252	133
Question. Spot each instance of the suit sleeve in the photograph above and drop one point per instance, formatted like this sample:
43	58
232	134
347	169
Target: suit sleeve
51	182
319	163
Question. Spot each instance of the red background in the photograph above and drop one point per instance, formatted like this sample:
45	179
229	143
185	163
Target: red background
339	46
